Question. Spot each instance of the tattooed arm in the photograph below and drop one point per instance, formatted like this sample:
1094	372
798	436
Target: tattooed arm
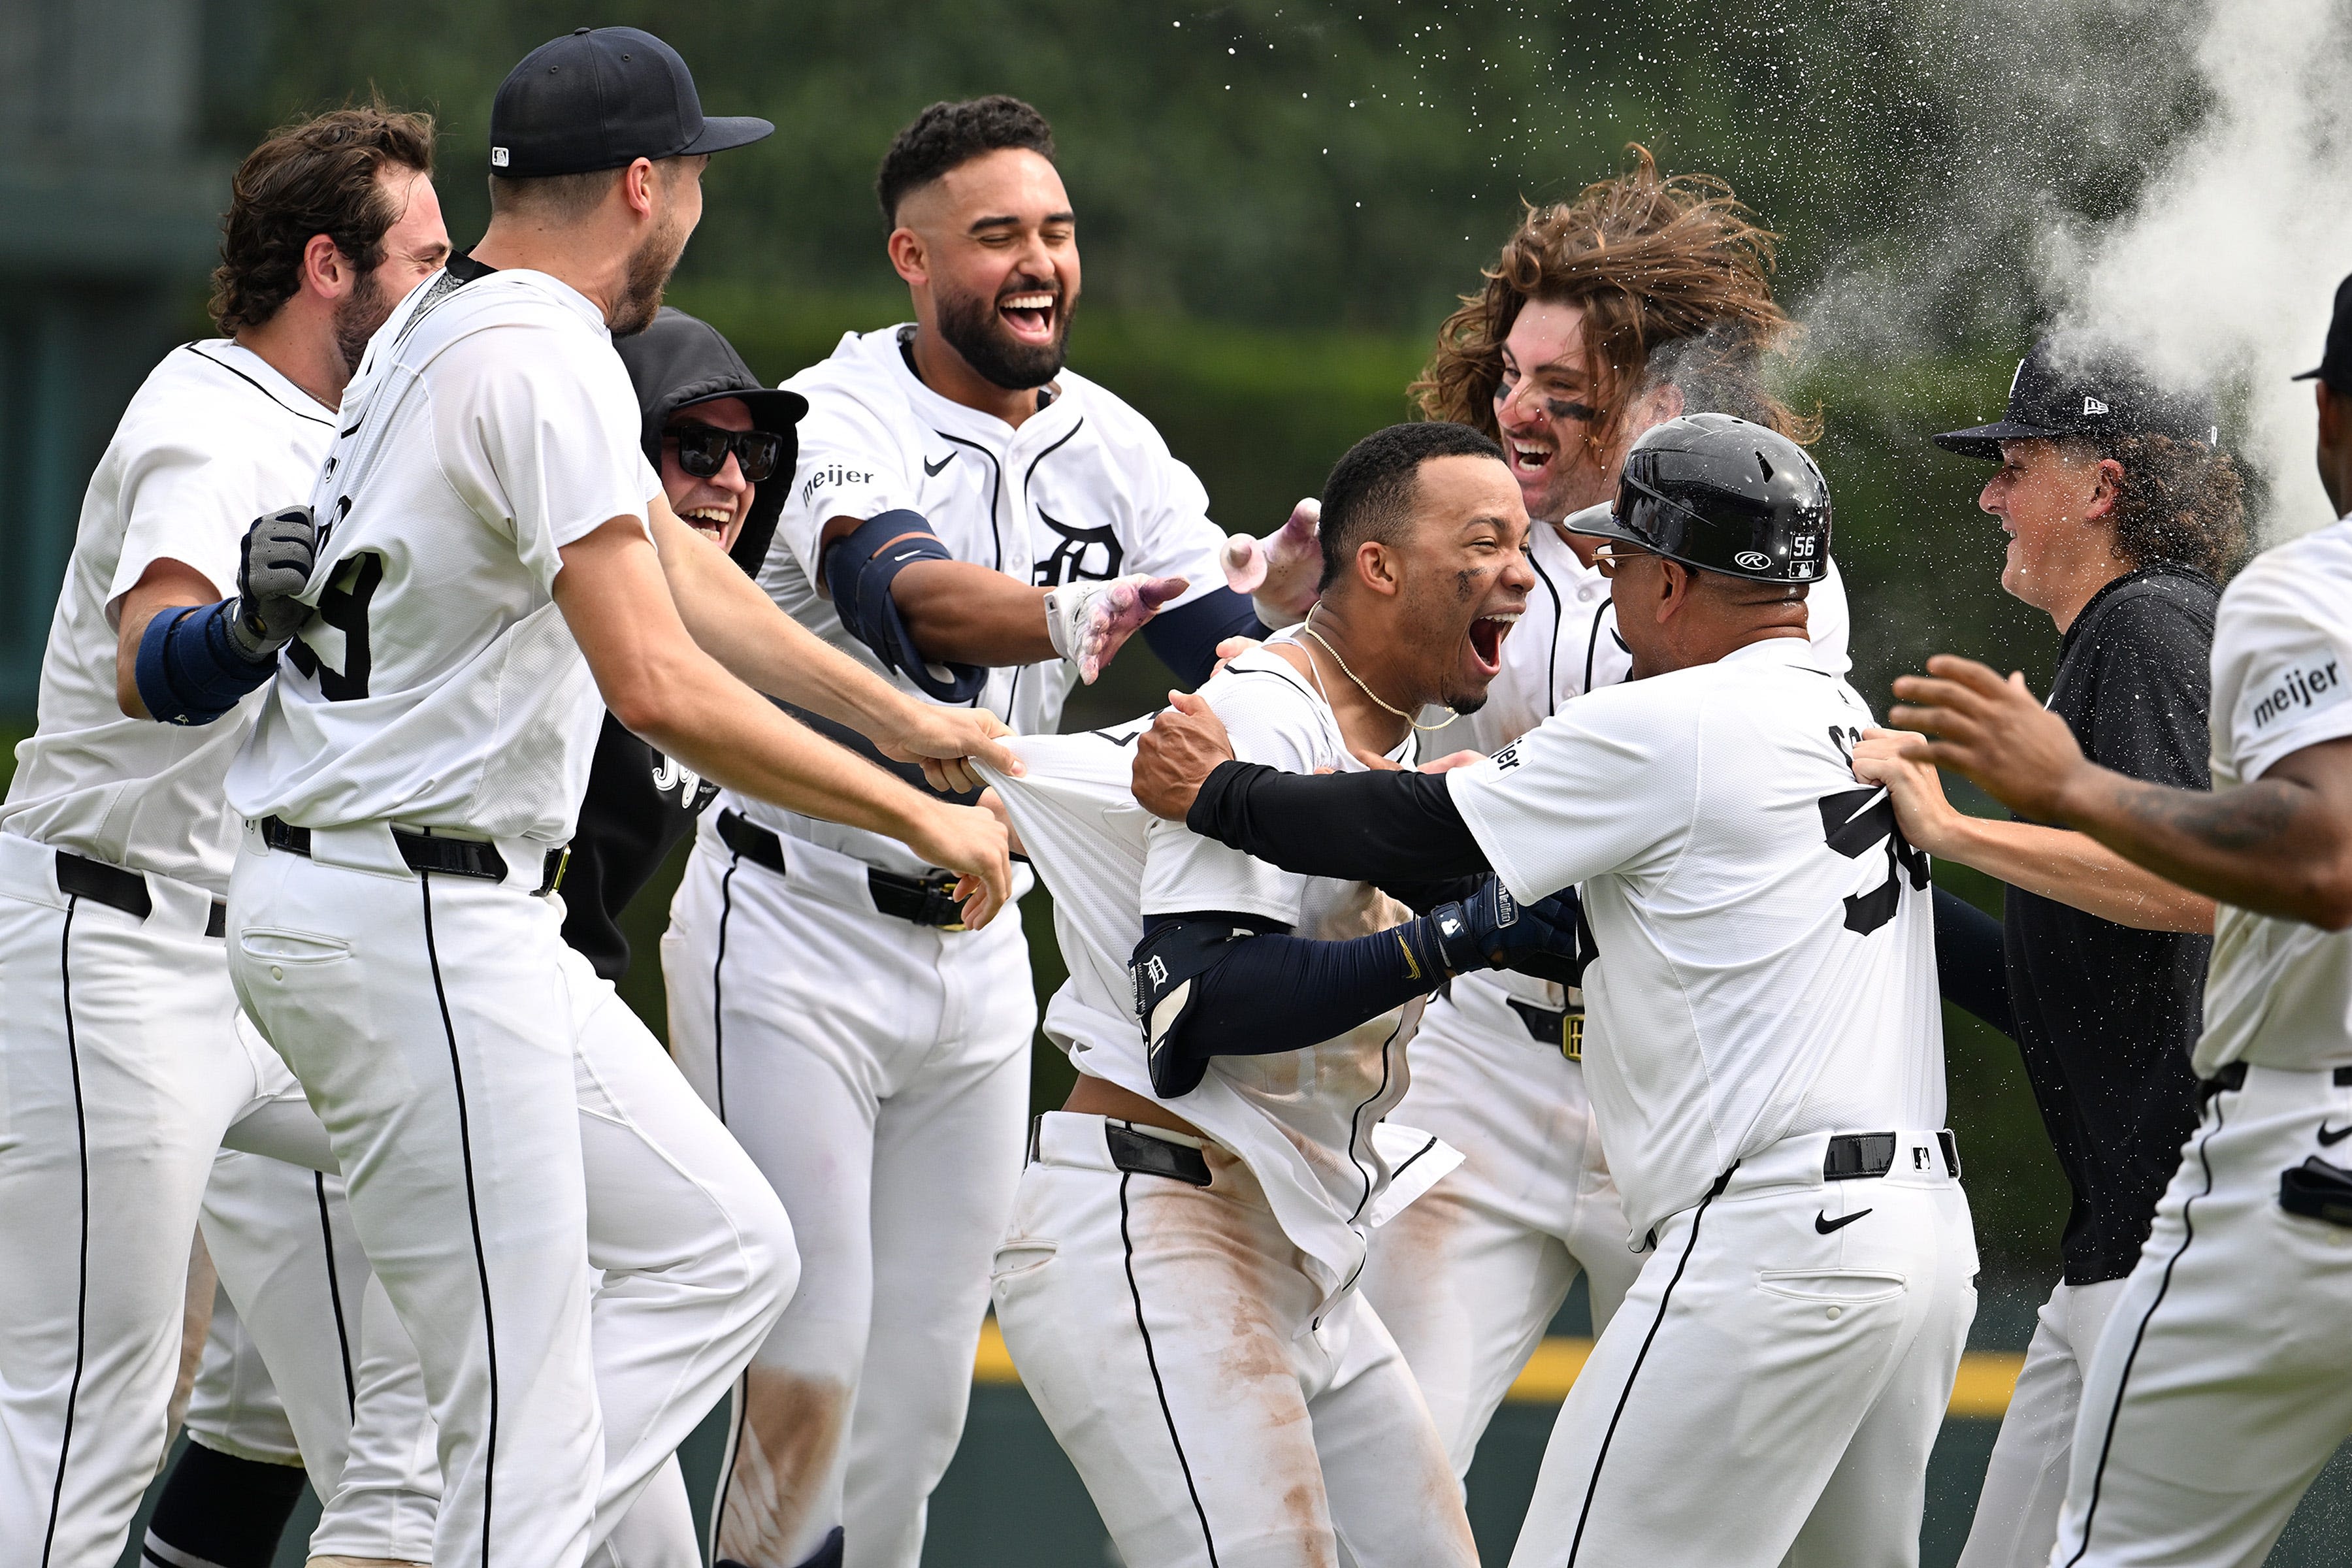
2280	846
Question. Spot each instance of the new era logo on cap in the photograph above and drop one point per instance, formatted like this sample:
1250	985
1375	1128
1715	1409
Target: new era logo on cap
2074	386
498	157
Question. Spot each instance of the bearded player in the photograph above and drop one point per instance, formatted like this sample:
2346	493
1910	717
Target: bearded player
1645	298
986	527
124	1063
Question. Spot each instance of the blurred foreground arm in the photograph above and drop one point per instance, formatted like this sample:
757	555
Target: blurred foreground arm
2279	846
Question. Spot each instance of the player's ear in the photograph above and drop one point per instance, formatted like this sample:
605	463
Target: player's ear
637	182
1377	565
325	271
909	257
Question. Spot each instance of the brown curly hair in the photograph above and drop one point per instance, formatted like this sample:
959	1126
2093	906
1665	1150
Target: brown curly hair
2180	500
316	175
1655	262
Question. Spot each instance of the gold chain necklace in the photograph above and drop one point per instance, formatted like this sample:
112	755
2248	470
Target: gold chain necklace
1306	627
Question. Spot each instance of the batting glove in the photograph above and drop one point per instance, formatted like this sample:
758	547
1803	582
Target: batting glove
1491	930
1279	573
1088	622
279	550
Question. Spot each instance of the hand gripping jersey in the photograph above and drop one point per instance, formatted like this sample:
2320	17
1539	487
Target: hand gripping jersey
490	425
213	439
1302	1121
1084	489
2280	991
1766	946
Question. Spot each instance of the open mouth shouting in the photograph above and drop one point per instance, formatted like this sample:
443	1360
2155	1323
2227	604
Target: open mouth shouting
1486	642
1531	459
1030	315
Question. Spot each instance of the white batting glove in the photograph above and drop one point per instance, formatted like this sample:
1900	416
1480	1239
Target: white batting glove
1088	622
1279	572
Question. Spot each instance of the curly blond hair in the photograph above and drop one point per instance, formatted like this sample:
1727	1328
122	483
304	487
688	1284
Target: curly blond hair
1674	277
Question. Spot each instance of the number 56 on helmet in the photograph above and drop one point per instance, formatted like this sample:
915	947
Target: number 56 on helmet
1720	494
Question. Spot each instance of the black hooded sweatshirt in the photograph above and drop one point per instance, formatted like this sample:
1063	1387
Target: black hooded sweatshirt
639	803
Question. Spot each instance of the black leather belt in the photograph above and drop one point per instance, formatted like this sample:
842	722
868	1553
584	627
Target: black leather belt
1563	1027
919	901
424	852
1141	1154
1854	1156
82	878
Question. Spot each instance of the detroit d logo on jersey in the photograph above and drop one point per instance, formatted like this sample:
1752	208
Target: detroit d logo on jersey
1092	555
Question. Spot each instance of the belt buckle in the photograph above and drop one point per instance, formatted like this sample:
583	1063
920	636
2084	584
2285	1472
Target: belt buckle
1571	1034
941	910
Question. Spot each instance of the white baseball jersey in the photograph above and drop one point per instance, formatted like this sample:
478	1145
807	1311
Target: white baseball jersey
1083	490
1567	645
213	439
1766	949
490	425
2280	991
1302	1119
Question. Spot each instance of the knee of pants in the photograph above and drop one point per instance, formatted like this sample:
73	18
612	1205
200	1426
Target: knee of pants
770	1253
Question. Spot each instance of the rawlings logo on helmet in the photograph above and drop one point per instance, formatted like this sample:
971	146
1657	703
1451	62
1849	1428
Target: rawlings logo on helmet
1754	559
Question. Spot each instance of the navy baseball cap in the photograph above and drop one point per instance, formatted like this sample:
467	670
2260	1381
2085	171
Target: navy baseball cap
2067	390
601	98
2334	365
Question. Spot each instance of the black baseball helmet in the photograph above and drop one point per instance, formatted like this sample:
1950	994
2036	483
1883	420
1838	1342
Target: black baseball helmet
1720	494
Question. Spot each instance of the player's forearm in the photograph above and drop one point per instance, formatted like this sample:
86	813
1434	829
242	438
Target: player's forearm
962	612
2271	846
1378	827
722	731
2076	869
737	624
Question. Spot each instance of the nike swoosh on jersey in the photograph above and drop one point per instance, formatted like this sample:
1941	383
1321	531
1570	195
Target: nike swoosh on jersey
931	469
1823	1223
2330	1136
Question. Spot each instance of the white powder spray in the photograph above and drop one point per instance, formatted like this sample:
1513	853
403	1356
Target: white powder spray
2226	268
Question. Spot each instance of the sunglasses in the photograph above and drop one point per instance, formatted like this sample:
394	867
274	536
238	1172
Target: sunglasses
1613	556
702	451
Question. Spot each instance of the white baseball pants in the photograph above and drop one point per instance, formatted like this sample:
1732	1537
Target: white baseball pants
1170	1337
1470	1274
283	1241
1769	1390
877	1072
2017	1510
121	1068
505	1125
2224	1381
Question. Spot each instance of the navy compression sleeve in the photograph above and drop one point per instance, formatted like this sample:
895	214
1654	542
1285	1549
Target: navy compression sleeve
1971	969
1380	828
1186	637
1256	989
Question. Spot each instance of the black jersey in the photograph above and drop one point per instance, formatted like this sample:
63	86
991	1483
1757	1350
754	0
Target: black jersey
638	806
2106	1015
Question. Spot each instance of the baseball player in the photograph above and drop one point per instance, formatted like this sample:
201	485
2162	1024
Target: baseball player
1768	1070
492	552
2124	517
2221	1384
1178	1283
984	526
230	1494
1642	299
123	1058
